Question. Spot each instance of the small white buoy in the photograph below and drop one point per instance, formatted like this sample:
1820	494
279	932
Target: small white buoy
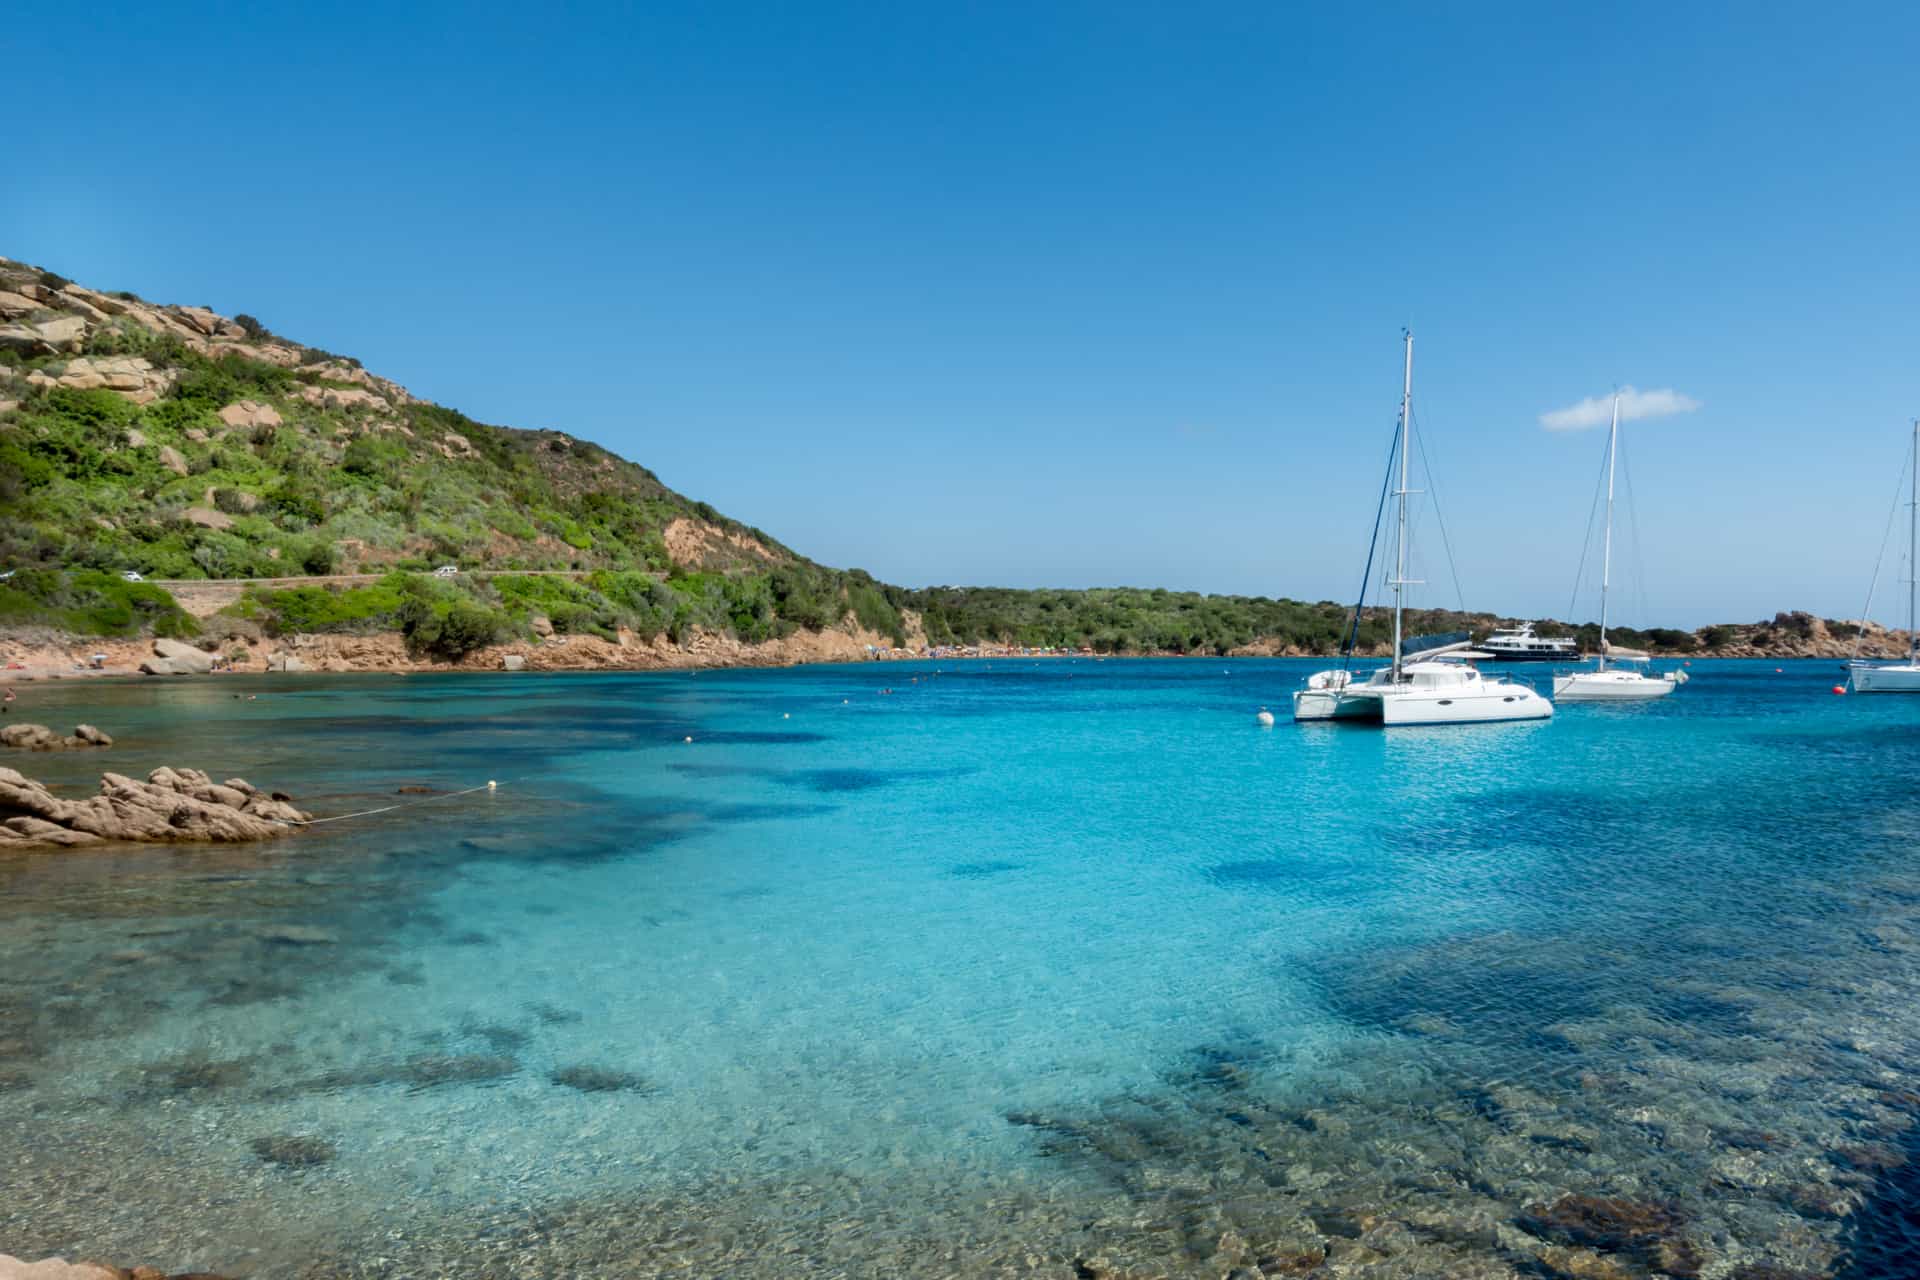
786	715
1265	718
689	738
491	784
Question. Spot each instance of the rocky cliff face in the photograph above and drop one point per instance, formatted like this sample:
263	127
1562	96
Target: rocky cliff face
292	452
46	316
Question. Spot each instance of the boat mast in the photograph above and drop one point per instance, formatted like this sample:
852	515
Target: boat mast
1913	543
1400	541
1606	556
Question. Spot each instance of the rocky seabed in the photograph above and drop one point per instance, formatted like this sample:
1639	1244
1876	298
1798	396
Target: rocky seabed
1758	1138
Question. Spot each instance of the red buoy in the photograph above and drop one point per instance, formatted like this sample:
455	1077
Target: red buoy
1839	688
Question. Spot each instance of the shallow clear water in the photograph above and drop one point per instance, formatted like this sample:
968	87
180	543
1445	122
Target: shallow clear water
1060	961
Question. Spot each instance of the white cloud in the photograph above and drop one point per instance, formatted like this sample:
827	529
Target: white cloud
1595	411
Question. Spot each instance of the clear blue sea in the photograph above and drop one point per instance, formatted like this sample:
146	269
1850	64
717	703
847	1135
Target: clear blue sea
1060	967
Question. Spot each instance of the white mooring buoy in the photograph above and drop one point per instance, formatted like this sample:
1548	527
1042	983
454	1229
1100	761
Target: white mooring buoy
1265	718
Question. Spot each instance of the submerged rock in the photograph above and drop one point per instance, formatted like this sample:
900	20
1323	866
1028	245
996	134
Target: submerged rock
590	1079
1601	1222
294	1151
171	806
462	1068
295	935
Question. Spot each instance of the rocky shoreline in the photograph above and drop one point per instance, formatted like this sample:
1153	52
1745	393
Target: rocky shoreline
41	657
172	806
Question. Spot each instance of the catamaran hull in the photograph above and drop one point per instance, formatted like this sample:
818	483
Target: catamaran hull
1333	704
1495	703
1900	679
1598	687
1508	655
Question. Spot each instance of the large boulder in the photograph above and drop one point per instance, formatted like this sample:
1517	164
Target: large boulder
184	657
37	737
30	737
284	661
131	376
171	806
49	337
173	460
200	318
250	413
513	662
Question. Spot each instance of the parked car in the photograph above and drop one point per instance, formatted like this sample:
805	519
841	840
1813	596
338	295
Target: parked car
131	576
8	574
446	571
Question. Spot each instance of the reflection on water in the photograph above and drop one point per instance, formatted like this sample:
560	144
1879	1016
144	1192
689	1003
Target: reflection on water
1060	966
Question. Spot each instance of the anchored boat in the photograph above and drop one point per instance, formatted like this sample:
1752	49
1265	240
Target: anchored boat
1899	677
1520	644
1605	683
1430	680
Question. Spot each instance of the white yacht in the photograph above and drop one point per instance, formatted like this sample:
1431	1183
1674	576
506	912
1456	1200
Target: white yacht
1425	683
1899	677
1604	683
1520	644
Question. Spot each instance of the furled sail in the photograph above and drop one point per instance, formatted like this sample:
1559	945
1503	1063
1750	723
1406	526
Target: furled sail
1427	644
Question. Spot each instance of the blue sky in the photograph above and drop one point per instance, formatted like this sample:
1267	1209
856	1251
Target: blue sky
1069	294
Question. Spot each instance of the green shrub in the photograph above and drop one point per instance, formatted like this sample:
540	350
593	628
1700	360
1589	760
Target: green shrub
448	630
91	602
368	607
317	558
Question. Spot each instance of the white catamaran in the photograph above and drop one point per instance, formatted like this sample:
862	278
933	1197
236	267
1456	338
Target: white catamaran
1422	685
1604	683
1899	677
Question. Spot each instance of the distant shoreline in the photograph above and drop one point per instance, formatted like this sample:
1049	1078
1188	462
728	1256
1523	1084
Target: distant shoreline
536	661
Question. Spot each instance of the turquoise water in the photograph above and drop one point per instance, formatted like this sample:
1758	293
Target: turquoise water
1021	965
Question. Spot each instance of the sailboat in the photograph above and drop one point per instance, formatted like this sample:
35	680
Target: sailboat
1899	677
1612	683
1430	680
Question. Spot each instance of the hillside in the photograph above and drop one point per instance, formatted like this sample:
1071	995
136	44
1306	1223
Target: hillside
179	444
193	448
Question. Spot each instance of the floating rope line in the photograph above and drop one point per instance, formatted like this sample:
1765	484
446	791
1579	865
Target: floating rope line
404	804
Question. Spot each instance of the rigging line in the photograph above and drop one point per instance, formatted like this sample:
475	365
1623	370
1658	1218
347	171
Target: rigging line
1433	492
1366	575
1899	487
1633	535
1586	542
